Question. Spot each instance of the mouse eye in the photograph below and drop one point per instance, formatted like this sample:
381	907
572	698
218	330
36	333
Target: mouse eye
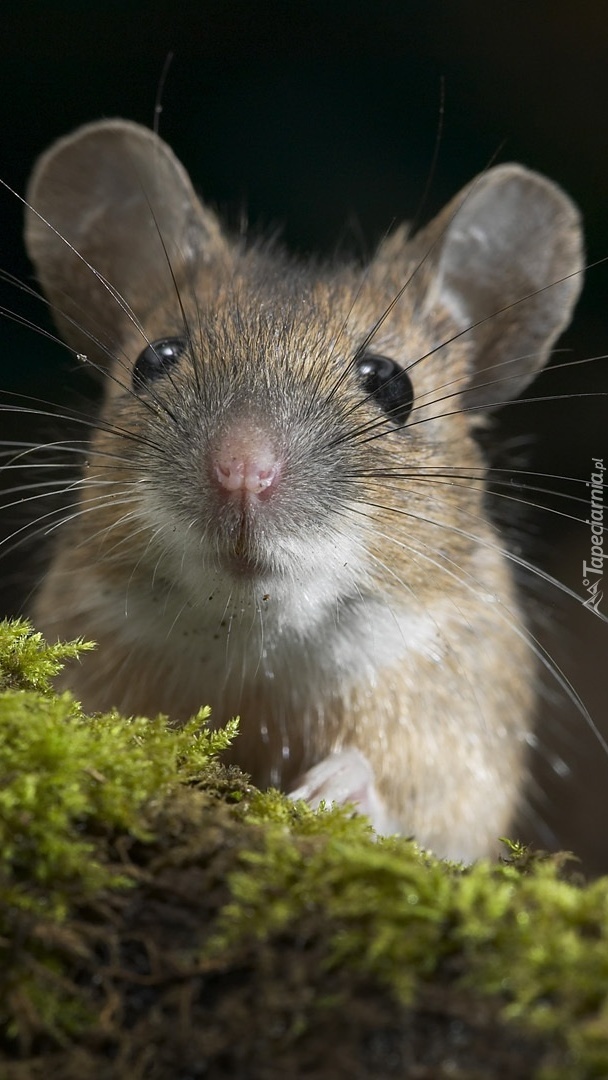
156	359
388	383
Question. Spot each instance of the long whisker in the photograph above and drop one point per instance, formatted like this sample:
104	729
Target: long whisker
513	619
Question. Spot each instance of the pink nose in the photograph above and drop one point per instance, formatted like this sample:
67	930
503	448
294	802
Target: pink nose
246	462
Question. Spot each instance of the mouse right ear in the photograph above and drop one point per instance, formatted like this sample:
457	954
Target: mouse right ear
505	258
112	223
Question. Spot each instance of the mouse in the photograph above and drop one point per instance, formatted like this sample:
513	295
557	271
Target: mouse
282	504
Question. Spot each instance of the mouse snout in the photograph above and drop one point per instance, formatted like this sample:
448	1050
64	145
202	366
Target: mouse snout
245	463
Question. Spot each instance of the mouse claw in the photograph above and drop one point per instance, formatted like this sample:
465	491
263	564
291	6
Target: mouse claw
345	776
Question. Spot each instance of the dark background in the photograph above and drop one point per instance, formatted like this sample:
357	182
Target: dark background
322	117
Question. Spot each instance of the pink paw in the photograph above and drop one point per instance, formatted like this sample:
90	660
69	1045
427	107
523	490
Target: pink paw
345	776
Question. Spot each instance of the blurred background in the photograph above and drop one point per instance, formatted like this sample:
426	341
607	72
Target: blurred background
321	117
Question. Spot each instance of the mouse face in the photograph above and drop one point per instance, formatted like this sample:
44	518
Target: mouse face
283	502
267	441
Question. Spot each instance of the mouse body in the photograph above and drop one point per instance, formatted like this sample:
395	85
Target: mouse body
282	509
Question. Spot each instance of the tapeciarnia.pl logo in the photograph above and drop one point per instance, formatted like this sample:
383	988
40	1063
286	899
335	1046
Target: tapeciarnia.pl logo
593	571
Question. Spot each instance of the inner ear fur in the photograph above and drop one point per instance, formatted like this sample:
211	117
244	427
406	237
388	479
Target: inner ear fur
505	257
112	218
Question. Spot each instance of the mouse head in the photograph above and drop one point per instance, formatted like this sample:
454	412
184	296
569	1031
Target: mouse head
284	373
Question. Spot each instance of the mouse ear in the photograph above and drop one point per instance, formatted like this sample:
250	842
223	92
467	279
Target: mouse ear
112	224
507	254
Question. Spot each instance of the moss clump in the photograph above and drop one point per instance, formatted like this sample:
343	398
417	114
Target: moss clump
69	785
159	917
516	931
27	662
66	774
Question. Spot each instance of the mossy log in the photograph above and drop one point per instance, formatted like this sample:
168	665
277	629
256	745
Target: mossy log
161	919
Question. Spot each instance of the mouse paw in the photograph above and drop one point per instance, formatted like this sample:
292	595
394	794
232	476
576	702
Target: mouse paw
345	776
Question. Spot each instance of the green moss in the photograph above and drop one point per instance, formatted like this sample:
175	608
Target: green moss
27	662
97	810
65	773
538	942
69	783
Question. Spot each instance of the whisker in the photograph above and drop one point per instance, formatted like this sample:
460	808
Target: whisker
447	479
513	620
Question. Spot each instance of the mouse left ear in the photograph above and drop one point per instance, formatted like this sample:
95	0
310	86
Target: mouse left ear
507	259
112	226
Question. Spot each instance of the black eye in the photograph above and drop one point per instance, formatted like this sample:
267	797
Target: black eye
388	383
156	359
